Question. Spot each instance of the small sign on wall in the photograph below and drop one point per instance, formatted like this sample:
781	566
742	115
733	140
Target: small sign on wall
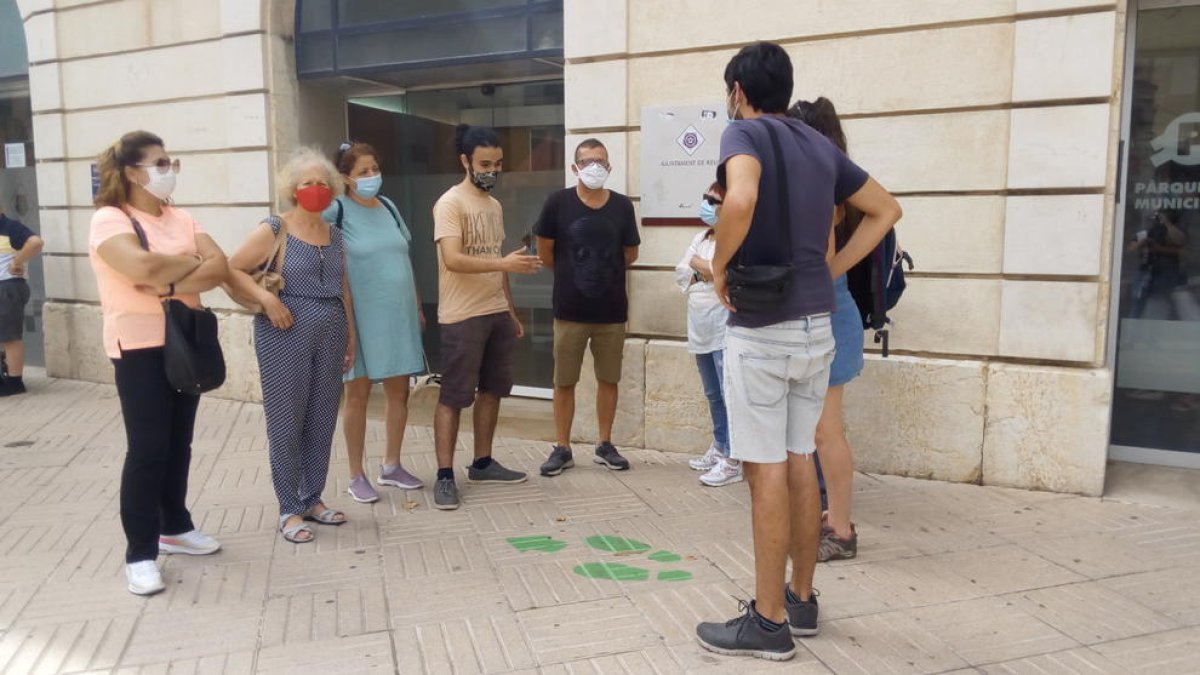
680	149
14	155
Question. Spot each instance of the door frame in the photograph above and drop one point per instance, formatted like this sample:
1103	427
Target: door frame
1125	453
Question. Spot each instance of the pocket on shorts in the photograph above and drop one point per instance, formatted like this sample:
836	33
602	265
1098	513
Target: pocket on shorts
764	378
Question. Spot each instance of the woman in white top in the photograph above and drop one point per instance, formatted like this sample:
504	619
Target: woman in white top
706	339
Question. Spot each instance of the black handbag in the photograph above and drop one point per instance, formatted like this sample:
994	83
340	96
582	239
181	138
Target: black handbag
192	355
761	288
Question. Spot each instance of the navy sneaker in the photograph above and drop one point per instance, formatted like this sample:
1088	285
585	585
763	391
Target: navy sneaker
746	636
607	455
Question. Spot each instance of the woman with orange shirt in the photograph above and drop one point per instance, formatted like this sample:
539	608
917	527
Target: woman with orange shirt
175	260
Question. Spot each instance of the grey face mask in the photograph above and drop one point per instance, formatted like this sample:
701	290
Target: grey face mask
485	181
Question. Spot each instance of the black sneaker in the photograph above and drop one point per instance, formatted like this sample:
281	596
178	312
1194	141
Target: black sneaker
445	494
11	387
494	473
560	459
607	455
802	616
746	636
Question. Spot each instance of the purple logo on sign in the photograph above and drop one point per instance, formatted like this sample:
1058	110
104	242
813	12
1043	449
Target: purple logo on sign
690	140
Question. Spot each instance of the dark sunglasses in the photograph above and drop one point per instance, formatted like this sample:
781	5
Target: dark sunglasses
715	201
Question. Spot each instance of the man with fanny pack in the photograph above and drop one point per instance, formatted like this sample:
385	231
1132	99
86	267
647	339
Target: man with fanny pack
783	181
18	245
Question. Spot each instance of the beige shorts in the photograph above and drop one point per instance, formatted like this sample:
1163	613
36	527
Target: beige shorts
571	339
775	383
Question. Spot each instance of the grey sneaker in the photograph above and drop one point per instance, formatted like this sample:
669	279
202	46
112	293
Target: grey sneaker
834	548
361	491
560	459
495	473
396	476
607	455
445	494
802	616
746	636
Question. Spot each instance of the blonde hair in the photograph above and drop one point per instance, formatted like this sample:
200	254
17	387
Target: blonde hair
128	150
302	159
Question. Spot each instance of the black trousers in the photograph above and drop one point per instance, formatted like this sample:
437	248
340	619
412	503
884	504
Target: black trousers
158	424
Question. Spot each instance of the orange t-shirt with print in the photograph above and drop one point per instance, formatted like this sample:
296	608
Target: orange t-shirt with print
132	319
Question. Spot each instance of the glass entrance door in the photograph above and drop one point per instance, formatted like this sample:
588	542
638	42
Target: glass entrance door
1156	404
415	134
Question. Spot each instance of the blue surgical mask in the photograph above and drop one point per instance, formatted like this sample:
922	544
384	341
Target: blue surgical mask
368	186
708	213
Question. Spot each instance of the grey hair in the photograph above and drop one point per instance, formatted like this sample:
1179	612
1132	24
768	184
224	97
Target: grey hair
301	160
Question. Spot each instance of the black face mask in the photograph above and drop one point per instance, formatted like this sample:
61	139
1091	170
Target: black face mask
484	181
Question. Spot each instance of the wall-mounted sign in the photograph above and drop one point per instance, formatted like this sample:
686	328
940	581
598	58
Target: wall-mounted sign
14	155
680	149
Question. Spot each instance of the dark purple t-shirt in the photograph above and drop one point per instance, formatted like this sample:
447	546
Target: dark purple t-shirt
820	176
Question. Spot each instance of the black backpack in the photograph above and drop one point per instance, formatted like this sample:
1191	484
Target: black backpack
877	282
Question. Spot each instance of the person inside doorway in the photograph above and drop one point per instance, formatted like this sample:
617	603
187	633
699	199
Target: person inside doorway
478	322
782	181
588	235
18	245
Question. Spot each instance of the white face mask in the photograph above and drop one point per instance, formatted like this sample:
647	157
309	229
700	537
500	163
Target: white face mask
593	176
160	185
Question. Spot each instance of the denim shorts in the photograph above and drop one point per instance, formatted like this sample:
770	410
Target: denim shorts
847	336
775	383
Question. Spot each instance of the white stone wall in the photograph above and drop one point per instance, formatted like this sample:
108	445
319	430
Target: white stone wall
995	123
212	78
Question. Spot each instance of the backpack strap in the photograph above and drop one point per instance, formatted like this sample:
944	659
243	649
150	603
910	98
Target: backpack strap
340	212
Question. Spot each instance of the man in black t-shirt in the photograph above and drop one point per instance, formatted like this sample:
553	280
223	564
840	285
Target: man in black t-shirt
588	235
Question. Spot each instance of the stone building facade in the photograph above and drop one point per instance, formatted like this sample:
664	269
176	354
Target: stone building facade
997	123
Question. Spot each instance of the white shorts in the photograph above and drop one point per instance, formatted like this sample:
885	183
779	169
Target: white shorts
775	383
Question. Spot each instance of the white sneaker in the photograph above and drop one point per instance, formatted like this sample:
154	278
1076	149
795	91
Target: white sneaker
726	472
708	461
144	578
191	543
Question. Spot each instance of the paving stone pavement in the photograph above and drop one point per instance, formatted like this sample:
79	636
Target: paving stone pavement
590	572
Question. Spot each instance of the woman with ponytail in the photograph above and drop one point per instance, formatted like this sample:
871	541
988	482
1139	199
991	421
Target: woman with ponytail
143	250
839	540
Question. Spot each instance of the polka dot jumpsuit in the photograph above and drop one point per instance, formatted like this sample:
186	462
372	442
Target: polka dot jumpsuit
301	370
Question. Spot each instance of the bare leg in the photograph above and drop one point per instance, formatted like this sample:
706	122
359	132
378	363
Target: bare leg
14	356
770	510
354	422
805	521
564	414
445	434
606	409
487	412
396	417
837	462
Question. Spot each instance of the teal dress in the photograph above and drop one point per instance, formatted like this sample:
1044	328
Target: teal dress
382	287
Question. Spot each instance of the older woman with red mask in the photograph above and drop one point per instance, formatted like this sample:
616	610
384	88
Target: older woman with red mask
303	337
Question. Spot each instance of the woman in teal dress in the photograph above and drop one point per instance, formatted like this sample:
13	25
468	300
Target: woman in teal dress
387	314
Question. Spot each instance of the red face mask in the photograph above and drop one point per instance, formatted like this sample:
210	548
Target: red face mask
314	198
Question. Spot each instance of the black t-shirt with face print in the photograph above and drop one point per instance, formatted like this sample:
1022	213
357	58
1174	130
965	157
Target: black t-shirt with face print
589	255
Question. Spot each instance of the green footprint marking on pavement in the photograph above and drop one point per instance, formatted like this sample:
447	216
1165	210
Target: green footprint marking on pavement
546	544
611	571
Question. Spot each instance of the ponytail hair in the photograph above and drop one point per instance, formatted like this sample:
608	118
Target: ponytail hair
126	151
467	138
823	118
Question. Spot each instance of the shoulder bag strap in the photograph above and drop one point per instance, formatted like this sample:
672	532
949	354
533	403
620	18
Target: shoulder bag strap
784	197
141	233
338	222
387	204
279	250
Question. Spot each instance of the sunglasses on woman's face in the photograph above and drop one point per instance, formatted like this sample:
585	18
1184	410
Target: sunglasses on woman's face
715	201
164	164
